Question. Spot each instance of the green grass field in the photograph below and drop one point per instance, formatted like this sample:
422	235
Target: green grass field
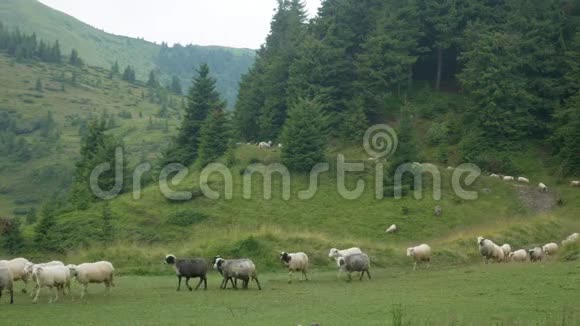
539	294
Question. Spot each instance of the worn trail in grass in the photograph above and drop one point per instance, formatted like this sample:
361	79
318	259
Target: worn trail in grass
524	294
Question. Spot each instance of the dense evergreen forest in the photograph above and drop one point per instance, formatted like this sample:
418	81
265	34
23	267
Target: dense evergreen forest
516	63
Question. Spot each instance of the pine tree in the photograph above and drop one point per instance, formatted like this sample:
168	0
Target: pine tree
304	137
74	59
115	68
129	74
214	137
46	231
31	216
11	236
152	81
38	86
176	86
202	98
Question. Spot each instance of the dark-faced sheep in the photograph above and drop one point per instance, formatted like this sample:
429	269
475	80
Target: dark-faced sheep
188	268
296	262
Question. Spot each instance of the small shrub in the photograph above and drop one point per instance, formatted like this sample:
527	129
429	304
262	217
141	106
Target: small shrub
187	218
20	211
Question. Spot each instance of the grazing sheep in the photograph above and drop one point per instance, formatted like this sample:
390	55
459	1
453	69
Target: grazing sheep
420	254
507	249
571	239
335	253
188	268
450	168
489	250
16	266
30	268
536	254
519	256
575	183
550	249
264	145
508	178
99	272
392	229
51	277
355	263
438	211
493	175
542	187
237	269
524	180
296	262
6	281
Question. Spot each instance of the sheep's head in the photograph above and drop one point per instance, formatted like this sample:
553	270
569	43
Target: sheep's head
333	253
285	257
170	260
480	240
28	268
73	270
218	262
410	252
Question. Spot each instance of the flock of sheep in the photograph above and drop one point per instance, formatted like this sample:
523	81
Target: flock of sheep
56	276
493	252
53	275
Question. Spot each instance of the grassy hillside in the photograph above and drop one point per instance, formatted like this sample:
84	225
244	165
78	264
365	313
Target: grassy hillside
102	49
72	101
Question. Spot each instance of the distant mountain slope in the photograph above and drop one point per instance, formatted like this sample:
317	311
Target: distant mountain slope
103	49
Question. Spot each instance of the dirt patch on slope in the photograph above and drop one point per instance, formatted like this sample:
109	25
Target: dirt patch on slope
536	201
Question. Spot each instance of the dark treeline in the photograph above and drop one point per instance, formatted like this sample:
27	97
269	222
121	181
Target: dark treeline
515	61
25	46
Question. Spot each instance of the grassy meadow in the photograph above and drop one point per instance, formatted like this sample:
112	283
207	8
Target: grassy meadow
538	294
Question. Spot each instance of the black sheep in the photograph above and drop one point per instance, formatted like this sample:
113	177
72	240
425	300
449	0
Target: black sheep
189	268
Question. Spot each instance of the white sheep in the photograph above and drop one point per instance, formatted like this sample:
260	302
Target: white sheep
507	249
493	175
6	281
524	180
550	249
450	168
51	277
264	145
489	250
99	272
392	229
16	266
30	268
335	253
420	254
571	239
542	187
508	178
536	254
519	256
574	183
296	262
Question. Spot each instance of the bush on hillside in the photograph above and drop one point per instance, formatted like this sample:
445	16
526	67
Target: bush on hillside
187	218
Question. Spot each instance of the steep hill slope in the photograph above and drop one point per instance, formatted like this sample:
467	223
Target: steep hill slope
103	49
38	156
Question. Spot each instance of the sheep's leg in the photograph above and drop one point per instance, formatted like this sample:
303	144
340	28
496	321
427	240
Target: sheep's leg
84	291
37	294
415	266
305	275
34	290
369	274
12	295
50	288
258	283
187	284
290	276
349	277
199	284
178	283
223	283
25	281
205	283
